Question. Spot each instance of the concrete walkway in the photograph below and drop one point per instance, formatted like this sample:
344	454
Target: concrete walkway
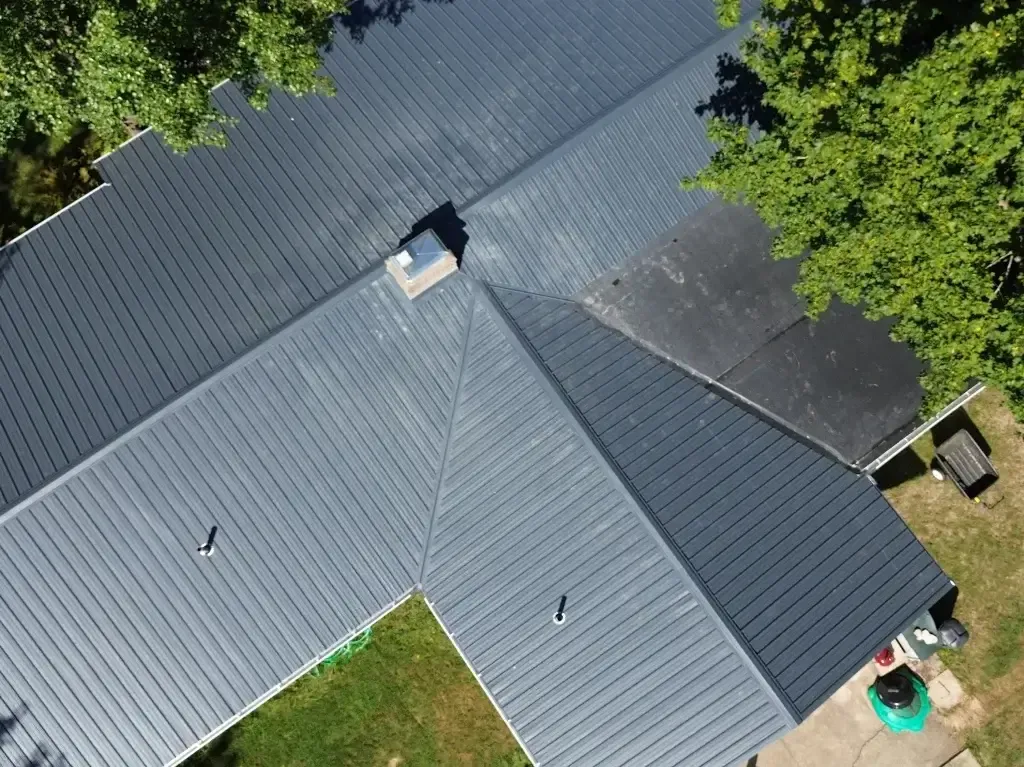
845	732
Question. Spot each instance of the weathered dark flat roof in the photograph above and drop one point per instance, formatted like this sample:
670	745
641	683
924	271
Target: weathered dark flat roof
707	295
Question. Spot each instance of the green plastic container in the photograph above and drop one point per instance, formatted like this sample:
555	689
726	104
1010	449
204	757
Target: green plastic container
909	718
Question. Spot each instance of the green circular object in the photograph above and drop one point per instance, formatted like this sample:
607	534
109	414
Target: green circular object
909	719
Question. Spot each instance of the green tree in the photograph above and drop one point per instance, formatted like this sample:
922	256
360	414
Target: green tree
40	175
117	64
883	139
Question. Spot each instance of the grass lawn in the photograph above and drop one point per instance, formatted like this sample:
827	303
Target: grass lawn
982	549
407	700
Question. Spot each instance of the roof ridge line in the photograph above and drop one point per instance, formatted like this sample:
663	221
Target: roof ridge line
425	560
307	316
699	589
598	121
720	389
527	292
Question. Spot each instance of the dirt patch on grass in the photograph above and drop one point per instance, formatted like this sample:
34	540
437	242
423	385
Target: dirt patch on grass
461	733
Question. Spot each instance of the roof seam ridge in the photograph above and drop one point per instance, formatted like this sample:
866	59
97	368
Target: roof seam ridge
300	321
701	592
527	292
598	121
729	394
425	559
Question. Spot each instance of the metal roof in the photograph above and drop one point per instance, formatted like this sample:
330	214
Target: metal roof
641	672
344	463
208	340
316	459
605	193
181	263
804	556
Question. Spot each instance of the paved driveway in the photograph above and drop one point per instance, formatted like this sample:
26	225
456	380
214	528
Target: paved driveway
845	732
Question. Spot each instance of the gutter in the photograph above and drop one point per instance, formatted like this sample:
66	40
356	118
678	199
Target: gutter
924	428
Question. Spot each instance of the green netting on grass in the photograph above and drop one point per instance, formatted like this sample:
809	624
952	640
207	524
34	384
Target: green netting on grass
346	651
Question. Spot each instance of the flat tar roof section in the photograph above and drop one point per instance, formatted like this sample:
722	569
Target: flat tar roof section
708	296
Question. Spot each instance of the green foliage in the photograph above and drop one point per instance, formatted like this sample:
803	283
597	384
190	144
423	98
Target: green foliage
892	164
115	65
41	175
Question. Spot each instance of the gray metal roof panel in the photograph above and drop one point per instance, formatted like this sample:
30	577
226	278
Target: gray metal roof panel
316	457
130	296
605	193
807	559
639	673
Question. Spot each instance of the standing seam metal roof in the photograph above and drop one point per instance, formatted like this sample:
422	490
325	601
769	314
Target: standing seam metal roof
315	457
804	557
205	341
641	672
343	462
181	263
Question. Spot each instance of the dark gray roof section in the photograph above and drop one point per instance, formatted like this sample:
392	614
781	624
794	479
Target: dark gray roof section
317	460
603	195
806	558
129	297
639	673
707	295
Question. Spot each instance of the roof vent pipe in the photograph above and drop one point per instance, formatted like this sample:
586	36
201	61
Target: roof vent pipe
207	549
559	616
421	263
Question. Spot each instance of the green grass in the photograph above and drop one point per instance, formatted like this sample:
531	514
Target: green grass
982	548
407	700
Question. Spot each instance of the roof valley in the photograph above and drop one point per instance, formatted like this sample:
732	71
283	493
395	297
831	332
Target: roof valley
439	483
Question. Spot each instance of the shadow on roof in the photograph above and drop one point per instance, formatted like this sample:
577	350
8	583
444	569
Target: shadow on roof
363	14
740	95
443	221
38	755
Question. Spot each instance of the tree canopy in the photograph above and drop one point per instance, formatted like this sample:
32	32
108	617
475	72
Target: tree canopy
118	64
883	139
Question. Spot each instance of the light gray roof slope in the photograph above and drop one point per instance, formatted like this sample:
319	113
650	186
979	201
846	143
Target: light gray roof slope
806	558
181	263
640	672
316	459
318	456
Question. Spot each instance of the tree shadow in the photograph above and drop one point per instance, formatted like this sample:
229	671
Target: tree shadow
444	221
219	753
903	467
40	175
360	15
740	95
41	754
